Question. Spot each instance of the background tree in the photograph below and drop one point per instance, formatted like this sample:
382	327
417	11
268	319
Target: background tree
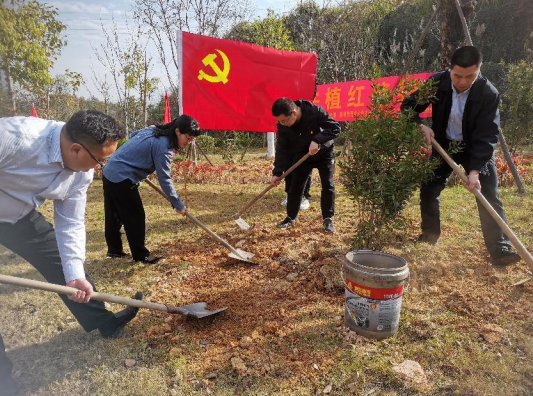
163	18
518	106
30	41
59	100
270	31
126	63
345	37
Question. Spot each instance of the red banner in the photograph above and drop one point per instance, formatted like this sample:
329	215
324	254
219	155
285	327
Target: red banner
344	101
231	85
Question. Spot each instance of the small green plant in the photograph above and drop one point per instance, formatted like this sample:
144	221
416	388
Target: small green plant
386	164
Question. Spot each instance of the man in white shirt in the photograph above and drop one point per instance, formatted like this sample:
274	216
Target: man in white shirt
43	159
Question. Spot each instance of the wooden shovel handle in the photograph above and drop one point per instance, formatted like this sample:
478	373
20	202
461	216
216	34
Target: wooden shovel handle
196	221
51	287
270	186
522	251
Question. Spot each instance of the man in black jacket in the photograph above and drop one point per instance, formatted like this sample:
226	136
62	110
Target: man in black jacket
305	127
465	110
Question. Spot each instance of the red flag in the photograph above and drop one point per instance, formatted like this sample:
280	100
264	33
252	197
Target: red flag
167	117
231	85
33	111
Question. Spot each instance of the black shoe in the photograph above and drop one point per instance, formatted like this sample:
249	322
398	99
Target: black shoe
114	328
328	225
287	223
148	260
116	255
427	238
504	257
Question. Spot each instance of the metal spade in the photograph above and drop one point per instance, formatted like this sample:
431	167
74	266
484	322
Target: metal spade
197	310
238	254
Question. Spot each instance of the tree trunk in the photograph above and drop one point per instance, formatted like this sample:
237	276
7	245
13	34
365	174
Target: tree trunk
145	110
48	102
452	35
11	93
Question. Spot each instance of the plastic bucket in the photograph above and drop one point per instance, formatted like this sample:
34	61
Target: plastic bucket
374	283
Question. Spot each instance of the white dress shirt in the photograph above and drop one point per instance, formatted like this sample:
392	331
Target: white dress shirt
32	171
454	130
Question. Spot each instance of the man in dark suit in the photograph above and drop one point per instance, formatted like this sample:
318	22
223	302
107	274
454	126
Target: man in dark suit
304	127
465	110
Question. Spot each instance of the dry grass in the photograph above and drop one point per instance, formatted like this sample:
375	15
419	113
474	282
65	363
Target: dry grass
286	330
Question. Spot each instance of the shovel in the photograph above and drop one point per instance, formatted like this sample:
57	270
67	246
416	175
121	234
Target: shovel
237	217
238	254
197	310
522	251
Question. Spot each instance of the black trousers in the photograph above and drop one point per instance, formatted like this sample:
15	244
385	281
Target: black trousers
300	176
8	386
123	207
495	239
33	239
307	189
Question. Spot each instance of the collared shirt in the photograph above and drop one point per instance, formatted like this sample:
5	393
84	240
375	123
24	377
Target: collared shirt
32	171
139	157
454	130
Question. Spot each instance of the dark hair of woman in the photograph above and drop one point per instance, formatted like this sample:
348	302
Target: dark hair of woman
184	123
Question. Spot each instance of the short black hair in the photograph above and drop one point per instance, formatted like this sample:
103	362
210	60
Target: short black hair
185	123
283	106
466	56
93	128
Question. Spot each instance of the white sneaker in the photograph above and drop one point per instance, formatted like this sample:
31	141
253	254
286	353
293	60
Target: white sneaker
284	201
304	204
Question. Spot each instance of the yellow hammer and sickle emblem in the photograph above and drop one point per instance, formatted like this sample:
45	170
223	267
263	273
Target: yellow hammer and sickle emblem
221	75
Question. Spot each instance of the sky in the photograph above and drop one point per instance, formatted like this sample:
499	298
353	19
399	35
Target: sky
84	22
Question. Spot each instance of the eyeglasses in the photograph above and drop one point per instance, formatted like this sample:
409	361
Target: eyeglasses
286	120
101	163
189	138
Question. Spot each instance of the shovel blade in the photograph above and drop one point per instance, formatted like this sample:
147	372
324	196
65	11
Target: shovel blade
243	225
196	310
242	255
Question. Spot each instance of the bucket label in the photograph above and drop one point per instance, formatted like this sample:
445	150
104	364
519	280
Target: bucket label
373	314
374	292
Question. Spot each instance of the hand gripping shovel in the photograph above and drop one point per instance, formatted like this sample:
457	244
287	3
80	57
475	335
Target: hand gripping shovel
238	254
197	310
237	217
522	251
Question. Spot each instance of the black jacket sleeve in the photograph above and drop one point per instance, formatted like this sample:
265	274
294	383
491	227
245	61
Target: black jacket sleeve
283	159
329	128
485	134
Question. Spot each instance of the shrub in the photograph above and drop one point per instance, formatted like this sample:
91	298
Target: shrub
518	105
387	163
